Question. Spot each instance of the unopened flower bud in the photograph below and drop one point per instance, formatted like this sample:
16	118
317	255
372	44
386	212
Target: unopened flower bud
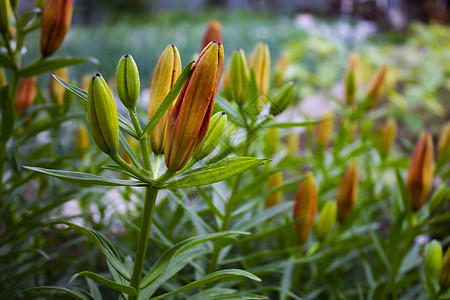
212	33
444	140
376	86
440	198
127	81
271	141
3	79
26	93
239	76
324	130
388	131
189	119
433	257
215	132
420	172
260	63
326	220
5	8
281	66
293	144
82	142
282	98
305	207
166	73
57	91
274	181
55	22
444	274
102	115
132	142
347	192
351	79
85	81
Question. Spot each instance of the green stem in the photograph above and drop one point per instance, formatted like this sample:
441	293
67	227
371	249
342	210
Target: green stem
146	223
118	160
157	163
2	167
143	143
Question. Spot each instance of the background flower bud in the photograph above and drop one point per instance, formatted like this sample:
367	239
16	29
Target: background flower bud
215	132
433	257
388	132
127	81
102	115
82	141
56	90
166	73
281	66
3	79
239	76
323	131
420	172
305	207
260	63
444	274
347	192
351	79
132	142
189	119
326	220
376	86
440	198
212	33
5	7
282	98
55	22
274	181
444	140
26	93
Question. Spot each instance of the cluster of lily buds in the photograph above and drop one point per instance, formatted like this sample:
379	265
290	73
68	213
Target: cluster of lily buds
323	131
56	90
351	79
326	220
55	22
444	140
376	86
213	33
305	207
259	62
387	132
433	257
274	181
347	192
26	93
420	172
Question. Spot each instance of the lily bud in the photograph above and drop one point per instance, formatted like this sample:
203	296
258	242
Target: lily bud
271	141
281	66
57	91
283	98
323	131
239	77
439	199
387	131
420	172
134	147
55	22
275	180
351	79
166	73
376	86
3	79
433	257
444	274
213	136
260	63
347	192
305	207
293	144
102	115
326	220
85	81
444	140
26	93
189	119
82	143
127	81
5	8
212	33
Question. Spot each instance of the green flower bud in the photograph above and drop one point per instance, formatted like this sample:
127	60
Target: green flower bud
440	197
127	81
326	220
102	115
444	274
283	98
4	16
433	257
239	77
213	136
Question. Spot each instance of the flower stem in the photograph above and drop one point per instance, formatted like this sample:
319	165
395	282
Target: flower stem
146	223
143	144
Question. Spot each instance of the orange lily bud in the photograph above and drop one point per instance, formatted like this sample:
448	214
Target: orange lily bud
55	23
26	93
420	172
82	140
85	81
347	193
444	274
324	130
212	33
376	86
387	131
166	73
444	140
305	207
275	180
351	79
56	90
134	147
189	119
281	66
260	63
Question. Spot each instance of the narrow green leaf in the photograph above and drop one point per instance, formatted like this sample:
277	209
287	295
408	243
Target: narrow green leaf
171	96
7	115
402	188
7	62
85	178
106	282
47	65
264	216
229	274
93	289
219	171
295	124
76	294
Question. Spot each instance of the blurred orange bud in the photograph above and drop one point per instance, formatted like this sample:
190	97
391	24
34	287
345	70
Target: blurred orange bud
351	79
324	130
260	63
376	86
305	207
275	180
166	73
444	140
212	33
347	192
85	81
132	142
281	66
26	93
57	90
56	18
420	172
189	119
82	142
388	131
293	144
